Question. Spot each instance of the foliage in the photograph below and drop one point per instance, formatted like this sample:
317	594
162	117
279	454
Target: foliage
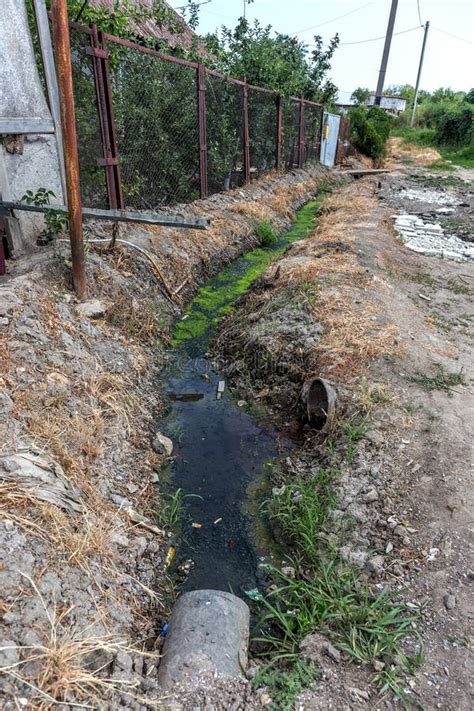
275	61
265	232
440	380
287	683
370	129
328	595
56	220
360	95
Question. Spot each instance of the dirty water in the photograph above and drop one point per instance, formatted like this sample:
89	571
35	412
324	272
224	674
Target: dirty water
220	449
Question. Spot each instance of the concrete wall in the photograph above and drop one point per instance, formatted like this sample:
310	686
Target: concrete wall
31	161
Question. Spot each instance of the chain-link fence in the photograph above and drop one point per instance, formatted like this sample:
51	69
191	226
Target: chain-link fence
156	130
225	152
89	139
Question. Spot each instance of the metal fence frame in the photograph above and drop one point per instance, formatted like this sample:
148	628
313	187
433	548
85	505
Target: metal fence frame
110	159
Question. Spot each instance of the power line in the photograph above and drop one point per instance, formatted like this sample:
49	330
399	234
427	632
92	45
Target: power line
451	35
327	22
375	39
419	11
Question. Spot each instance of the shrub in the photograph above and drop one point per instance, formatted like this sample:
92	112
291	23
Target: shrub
365	134
266	232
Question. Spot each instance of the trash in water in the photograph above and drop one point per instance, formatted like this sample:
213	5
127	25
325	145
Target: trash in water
220	388
218	520
254	594
196	525
169	558
164	629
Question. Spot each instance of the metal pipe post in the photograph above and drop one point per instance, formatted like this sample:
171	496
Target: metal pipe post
279	109
386	52
301	135
420	67
68	122
201	83
245	127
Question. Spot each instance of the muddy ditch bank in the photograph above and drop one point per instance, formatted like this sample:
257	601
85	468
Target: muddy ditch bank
83	555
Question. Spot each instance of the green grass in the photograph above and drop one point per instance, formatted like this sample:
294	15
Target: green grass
265	232
354	431
300	510
426	137
216	299
169	514
287	683
440	380
329	596
457	287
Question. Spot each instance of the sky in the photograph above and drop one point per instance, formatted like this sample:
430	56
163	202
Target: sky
449	61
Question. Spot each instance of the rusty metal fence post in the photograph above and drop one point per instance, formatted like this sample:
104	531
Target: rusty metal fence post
110	161
71	158
245	130
279	125
301	135
201	87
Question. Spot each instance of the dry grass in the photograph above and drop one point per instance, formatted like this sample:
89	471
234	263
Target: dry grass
398	149
254	210
69	665
370	396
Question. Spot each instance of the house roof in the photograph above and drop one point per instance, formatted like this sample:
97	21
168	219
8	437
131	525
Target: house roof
149	28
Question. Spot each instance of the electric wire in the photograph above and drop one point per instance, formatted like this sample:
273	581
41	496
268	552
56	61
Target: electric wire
450	34
419	11
327	22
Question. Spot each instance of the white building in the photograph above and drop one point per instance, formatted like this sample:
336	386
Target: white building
392	104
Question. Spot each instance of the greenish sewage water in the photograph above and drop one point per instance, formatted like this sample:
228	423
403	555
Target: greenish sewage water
220	449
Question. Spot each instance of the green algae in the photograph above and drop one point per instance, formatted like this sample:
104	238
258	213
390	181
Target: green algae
215	300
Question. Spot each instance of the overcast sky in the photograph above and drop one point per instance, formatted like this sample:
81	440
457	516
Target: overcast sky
449	61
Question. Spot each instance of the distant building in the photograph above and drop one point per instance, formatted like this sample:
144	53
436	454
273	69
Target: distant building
392	104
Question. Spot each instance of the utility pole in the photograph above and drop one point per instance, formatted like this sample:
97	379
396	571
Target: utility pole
68	121
420	67
386	52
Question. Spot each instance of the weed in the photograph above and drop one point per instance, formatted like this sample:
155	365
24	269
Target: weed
421	278
265	232
440	321
457	287
327	595
300	510
372	395
169	515
56	220
441	165
354	430
441	380
287	683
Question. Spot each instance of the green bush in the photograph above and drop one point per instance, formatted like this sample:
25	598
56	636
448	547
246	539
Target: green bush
265	232
366	133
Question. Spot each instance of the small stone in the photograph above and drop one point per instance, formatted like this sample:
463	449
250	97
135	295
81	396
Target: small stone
389	547
449	601
4	321
132	488
375	564
378	665
289	571
10	466
155	478
370	496
400	531
92	309
162	444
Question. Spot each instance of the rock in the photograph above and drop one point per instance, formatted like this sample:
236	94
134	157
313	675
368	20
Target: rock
370	496
315	645
375	564
378	665
92	309
389	548
8	653
4	321
132	488
449	601
289	571
162	444
400	531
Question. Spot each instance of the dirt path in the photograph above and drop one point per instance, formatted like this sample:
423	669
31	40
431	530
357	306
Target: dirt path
392	330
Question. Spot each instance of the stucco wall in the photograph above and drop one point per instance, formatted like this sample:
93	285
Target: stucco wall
31	161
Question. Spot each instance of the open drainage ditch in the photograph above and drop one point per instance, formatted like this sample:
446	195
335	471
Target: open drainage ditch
219	449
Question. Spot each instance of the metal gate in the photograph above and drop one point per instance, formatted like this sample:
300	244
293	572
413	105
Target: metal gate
329	138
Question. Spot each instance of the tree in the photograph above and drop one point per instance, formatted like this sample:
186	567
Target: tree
360	95
274	60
